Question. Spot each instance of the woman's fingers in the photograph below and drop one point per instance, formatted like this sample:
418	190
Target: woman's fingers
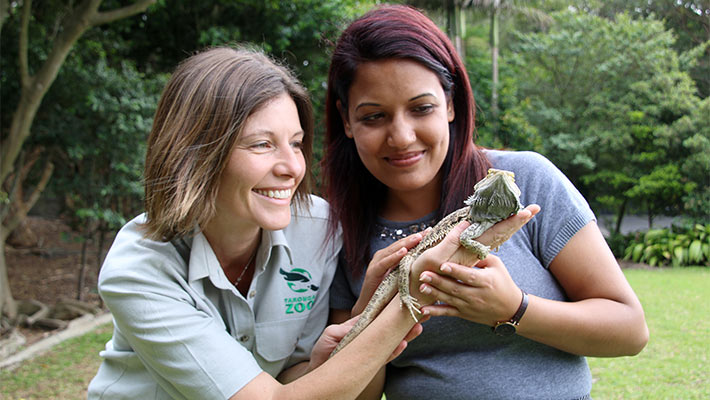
496	235
382	262
485	293
503	230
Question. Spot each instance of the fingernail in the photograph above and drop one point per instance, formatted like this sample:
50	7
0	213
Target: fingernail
403	250
424	278
445	268
425	289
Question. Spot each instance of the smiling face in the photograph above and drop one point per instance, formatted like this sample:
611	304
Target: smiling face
264	169
398	115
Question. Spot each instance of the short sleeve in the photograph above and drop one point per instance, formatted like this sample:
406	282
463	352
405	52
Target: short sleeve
564	211
189	353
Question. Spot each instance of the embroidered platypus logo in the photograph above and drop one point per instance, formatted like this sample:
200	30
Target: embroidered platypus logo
298	280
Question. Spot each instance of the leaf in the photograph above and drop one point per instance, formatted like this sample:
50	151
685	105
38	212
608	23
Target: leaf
638	250
695	253
654	234
677	255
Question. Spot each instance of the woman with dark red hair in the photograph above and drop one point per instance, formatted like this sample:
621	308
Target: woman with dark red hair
399	156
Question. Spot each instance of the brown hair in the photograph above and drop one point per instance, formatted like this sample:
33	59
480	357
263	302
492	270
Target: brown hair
354	194
200	115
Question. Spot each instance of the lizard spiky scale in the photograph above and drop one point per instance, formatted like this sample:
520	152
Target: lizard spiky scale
495	198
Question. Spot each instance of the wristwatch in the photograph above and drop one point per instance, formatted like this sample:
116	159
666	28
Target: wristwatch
507	328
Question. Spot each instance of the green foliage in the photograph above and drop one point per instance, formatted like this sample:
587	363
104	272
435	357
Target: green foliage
618	242
614	111
96	131
677	247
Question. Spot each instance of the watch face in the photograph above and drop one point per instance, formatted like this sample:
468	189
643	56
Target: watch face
504	329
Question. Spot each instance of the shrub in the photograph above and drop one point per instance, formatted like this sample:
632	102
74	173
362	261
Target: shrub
676	246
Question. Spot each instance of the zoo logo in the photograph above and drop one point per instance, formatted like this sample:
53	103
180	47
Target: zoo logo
298	280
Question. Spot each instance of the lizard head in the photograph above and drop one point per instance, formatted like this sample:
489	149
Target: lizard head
496	196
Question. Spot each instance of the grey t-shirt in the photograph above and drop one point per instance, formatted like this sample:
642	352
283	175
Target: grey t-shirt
457	359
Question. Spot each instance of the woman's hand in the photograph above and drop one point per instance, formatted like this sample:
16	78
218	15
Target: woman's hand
383	261
449	250
333	334
495	235
485	293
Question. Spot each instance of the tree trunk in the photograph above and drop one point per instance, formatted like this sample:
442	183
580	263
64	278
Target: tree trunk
81	17
82	270
494	67
619	217
8	305
100	257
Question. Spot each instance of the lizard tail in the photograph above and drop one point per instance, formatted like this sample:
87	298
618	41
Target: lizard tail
383	294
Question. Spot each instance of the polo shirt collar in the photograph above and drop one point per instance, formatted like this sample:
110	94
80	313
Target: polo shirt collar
204	263
270	240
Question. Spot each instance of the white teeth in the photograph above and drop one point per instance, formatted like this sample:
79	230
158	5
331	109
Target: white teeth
275	194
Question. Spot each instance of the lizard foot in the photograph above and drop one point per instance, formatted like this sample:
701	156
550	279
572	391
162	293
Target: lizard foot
476	247
412	305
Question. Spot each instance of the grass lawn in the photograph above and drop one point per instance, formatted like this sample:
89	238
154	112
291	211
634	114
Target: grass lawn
62	373
674	365
676	362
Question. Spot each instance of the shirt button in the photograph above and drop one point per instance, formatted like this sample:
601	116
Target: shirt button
244	338
252	294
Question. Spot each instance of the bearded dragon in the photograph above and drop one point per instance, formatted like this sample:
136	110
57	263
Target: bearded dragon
495	198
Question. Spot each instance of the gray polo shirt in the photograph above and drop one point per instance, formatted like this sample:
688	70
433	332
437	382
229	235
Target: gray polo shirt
183	331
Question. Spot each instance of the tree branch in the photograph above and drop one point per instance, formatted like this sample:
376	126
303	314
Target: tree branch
23	48
23	207
112	15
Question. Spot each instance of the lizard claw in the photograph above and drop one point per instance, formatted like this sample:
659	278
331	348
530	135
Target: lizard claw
412	304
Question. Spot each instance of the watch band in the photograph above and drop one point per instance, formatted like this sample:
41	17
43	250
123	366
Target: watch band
521	310
507	328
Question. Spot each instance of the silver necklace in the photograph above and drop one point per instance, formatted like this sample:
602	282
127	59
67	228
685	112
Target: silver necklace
239	279
388	233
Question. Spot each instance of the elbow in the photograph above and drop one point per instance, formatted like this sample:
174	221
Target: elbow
639	339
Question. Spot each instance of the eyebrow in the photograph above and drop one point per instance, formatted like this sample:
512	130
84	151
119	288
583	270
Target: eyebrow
268	132
426	94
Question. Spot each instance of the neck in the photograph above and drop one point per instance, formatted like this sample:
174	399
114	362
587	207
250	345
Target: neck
233	247
409	205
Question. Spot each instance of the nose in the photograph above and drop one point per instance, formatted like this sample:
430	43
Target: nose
291	163
400	133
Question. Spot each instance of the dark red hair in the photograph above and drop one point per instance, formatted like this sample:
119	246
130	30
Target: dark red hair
355	195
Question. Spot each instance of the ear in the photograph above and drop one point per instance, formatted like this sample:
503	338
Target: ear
344	117
450	110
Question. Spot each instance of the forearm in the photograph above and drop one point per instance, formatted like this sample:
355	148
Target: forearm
293	373
593	327
345	375
348	372
374	389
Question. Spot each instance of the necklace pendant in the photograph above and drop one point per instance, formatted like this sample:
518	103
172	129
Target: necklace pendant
400	233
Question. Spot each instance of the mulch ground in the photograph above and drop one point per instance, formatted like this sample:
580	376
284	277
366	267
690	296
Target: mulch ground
49	270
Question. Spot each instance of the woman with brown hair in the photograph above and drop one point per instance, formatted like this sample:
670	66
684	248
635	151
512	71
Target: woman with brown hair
399	156
220	290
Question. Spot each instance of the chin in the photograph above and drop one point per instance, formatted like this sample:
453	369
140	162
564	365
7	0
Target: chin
276	224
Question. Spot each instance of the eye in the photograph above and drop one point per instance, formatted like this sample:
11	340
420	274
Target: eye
297	144
372	117
423	109
263	145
